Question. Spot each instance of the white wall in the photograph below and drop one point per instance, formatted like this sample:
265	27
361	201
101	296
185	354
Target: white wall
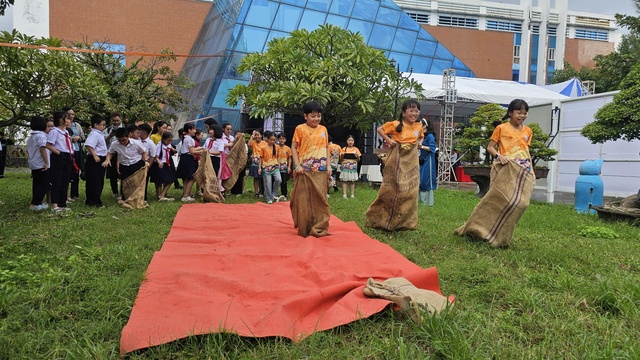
621	168
30	17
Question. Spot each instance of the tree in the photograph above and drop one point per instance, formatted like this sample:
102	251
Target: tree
355	83
619	119
478	134
138	91
34	82
569	72
4	4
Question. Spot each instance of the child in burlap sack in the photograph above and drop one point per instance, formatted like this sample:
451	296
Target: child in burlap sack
512	180
396	206
311	171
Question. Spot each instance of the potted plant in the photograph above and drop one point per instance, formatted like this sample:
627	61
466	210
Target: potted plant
476	136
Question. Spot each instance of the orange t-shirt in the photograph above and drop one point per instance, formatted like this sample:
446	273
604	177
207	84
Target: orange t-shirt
269	159
335	151
512	143
255	151
284	152
410	133
312	147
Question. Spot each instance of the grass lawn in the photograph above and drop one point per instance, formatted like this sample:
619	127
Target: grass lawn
68	282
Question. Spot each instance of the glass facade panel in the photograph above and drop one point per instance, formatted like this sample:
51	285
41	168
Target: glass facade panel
342	7
388	16
276	34
320	5
300	3
287	18
365	9
403	60
261	13
442	53
421	64
252	39
223	91
336	20
381	37
425	48
363	27
438	66
311	20
232	71
404	41
406	22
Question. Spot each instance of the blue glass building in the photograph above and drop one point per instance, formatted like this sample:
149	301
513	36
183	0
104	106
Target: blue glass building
235	28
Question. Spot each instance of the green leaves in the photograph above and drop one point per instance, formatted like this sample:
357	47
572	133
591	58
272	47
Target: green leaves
355	82
36	82
619	119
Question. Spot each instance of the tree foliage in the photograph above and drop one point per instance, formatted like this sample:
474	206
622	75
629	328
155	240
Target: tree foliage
138	91
36	82
619	119
355	83
33	82
483	122
4	4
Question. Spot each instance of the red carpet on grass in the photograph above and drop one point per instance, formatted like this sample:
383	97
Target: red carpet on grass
243	269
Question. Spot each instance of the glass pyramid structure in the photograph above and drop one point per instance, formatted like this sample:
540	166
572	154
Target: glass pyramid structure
235	28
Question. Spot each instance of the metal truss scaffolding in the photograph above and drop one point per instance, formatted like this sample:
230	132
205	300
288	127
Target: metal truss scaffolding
446	125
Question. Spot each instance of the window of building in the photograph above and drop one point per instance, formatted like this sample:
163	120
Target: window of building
516	54
458	21
553	30
535	29
419	18
592	34
504	25
552	54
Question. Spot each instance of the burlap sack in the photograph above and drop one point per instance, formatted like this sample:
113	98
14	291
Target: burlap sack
206	179
309	207
407	296
396	206
494	219
237	160
133	190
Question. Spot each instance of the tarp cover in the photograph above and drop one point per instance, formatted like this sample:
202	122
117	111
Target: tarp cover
252	275
488	90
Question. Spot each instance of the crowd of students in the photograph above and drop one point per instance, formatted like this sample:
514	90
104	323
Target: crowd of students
116	152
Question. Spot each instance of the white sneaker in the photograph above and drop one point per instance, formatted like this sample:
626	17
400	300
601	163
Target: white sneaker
352	196
269	202
282	198
187	199
344	196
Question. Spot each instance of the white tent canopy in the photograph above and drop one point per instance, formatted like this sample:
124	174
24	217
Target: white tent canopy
473	92
572	88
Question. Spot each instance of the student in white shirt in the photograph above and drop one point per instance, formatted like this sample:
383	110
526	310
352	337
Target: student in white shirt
38	162
131	156
59	143
96	146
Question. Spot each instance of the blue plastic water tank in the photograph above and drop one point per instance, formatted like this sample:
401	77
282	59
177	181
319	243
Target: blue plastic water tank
589	186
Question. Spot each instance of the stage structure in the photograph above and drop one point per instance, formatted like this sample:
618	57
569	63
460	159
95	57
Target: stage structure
446	125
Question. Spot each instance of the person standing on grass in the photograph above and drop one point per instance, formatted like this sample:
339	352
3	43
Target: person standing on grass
428	165
150	147
97	150
512	180
110	138
284	162
77	138
396	206
38	162
269	168
350	156
188	166
238	187
59	143
131	156
256	144
156	133
334	159
164	174
215	146
311	170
